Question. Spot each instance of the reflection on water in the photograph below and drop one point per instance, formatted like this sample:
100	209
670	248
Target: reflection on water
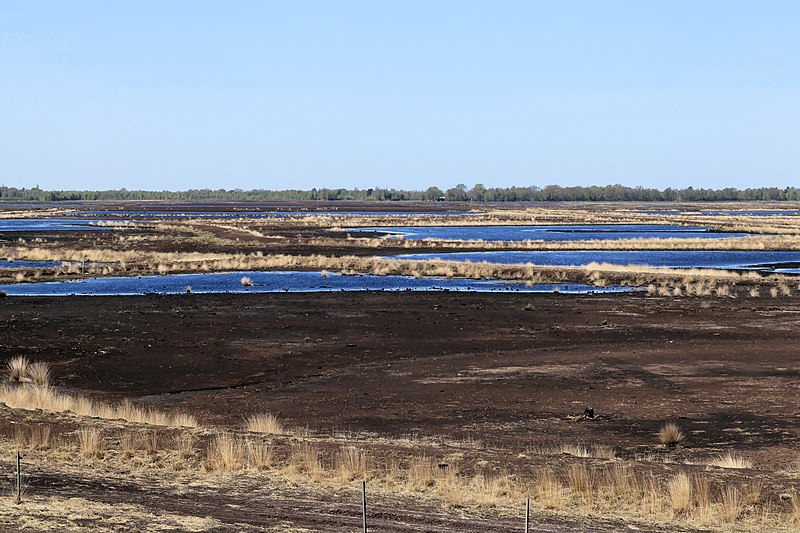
230	282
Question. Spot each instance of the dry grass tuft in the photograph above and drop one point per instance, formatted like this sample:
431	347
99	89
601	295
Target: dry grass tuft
731	460
90	441
580	478
550	491
265	423
351	463
18	368
226	453
679	489
670	434
305	458
185	444
732	504
260	455
39	373
36	438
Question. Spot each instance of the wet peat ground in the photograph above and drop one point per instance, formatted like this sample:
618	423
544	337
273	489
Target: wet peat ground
509	371
498	368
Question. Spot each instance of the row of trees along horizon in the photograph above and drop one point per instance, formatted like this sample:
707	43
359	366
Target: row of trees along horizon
459	193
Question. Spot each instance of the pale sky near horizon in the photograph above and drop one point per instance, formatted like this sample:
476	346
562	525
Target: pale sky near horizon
406	94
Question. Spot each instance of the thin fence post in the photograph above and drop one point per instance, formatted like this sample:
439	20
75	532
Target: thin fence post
19	476
364	503
527	513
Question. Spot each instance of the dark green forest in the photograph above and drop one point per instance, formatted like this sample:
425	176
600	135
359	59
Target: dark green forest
459	193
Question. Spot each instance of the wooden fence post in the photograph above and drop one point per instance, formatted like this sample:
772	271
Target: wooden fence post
19	477
527	513
364	503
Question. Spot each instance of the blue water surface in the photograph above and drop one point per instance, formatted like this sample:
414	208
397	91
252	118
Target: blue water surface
265	282
550	233
48	224
18	263
755	260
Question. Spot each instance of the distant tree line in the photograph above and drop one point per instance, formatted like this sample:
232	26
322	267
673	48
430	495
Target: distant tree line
478	193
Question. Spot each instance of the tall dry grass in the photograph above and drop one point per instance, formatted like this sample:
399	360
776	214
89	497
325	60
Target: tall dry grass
90	441
265	423
33	397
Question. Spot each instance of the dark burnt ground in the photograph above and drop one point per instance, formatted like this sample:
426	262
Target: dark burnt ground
461	366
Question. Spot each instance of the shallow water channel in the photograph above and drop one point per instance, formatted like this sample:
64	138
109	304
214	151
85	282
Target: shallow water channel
605	232
748	260
230	282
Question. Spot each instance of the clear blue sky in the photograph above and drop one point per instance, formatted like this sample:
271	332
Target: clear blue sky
298	94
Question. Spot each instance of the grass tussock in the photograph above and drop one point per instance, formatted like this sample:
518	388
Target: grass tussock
670	434
33	438
265	423
731	460
90	441
228	452
18	368
39	374
679	488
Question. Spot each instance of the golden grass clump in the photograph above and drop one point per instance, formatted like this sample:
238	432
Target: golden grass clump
35	438
679	488
33	397
265	423
580	478
185	444
39	373
18	368
670	434
731	460
260	455
549	491
732	504
226	453
351	463
90	441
